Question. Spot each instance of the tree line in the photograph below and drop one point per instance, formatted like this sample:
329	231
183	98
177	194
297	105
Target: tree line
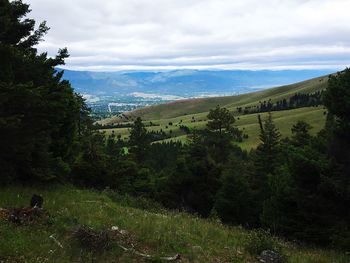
298	100
298	187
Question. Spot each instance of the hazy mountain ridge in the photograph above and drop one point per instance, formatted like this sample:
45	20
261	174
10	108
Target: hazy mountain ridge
187	83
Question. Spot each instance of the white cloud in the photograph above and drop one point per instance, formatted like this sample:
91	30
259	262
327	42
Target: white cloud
163	34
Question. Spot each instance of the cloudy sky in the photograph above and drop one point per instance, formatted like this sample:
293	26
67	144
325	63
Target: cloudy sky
219	34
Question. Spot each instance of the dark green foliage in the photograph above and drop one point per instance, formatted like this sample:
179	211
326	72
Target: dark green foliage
39	112
337	96
267	151
266	160
301	133
163	156
139	140
309	192
296	206
90	168
220	120
234	199
220	134
193	184
298	100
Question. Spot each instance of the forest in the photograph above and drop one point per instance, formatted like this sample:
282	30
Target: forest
297	187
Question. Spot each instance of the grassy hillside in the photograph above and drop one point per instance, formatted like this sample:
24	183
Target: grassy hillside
157	233
284	120
195	106
192	113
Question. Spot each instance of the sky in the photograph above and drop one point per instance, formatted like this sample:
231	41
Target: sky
108	35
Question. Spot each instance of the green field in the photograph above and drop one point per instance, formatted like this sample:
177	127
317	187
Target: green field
158	233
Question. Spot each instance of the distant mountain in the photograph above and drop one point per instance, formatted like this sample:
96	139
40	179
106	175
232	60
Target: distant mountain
184	83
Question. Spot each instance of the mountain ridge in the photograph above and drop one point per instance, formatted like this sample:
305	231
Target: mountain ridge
186	83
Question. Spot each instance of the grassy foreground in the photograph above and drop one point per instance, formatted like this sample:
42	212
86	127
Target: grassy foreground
157	233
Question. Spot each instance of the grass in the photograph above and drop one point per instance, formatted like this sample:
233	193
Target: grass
157	233
284	120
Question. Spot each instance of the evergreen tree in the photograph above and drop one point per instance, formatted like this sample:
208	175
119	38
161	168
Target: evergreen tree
39	112
220	120
193	185
234	199
113	146
268	149
337	101
301	133
266	159
220	133
139	140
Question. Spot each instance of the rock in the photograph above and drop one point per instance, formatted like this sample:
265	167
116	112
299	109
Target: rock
269	256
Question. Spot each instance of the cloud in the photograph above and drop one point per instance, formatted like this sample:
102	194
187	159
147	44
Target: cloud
167	34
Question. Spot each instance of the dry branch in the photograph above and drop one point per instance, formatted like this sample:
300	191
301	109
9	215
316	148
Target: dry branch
132	250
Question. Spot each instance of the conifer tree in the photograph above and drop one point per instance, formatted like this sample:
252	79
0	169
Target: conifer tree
220	120
220	133
265	160
139	140
39	112
267	150
301	133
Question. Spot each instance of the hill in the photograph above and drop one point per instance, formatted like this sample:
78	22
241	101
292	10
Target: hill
192	112
159	233
201	105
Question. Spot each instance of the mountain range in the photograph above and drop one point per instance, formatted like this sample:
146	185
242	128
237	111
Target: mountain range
184	83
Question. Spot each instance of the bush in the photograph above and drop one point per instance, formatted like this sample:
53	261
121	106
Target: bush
260	240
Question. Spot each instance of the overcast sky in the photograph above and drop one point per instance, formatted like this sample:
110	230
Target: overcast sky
223	34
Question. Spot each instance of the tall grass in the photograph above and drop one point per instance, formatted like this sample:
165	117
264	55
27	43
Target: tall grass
158	233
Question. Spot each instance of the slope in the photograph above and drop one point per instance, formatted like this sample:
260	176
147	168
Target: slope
157	233
201	105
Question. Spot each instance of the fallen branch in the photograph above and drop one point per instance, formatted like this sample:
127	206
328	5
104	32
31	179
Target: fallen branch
132	250
56	241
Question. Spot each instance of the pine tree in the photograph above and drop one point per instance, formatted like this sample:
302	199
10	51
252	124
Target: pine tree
139	140
220	120
39	112
220	133
268	149
265	160
301	133
234	199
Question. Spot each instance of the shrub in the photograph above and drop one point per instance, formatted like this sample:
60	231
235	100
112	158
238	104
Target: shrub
260	240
